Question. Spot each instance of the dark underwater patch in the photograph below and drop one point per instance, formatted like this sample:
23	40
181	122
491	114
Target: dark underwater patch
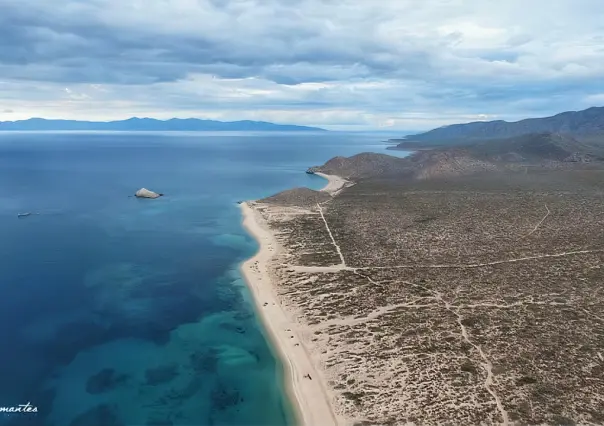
161	374
105	380
101	415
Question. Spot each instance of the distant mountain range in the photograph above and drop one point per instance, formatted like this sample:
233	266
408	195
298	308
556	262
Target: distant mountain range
150	124
586	124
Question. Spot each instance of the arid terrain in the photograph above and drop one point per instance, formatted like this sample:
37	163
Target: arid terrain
450	298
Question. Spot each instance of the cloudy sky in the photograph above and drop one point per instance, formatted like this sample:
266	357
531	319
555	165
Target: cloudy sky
339	64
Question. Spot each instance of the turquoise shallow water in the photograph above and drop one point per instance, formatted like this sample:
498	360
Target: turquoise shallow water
119	311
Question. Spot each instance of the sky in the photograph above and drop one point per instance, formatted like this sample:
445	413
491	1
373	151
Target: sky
337	64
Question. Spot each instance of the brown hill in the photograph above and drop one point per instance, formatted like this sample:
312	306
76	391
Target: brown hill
448	163
542	149
421	165
586	123
364	165
535	148
299	197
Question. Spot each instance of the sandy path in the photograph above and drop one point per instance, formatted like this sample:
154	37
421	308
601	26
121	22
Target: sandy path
539	224
309	395
333	240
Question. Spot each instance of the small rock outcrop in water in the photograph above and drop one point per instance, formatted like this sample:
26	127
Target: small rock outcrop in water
145	193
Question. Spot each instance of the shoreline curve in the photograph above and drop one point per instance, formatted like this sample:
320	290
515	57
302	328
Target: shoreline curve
309	397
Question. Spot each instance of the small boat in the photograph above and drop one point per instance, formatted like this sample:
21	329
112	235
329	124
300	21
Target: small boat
23	214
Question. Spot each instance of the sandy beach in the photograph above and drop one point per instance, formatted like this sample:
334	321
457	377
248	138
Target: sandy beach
306	385
334	183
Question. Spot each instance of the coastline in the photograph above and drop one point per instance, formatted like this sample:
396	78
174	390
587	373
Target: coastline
334	183
309	397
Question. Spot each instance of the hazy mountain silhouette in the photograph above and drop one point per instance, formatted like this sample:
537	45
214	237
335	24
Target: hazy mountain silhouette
150	124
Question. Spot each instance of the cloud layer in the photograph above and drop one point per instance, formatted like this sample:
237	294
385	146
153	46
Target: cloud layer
403	64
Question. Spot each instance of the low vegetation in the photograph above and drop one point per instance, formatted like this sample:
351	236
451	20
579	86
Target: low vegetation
472	297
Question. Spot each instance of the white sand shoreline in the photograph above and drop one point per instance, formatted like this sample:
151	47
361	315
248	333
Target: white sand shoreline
334	183
308	395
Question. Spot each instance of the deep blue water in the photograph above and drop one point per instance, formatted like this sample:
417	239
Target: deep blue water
115	310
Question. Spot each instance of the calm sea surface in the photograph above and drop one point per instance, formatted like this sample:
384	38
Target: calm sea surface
119	311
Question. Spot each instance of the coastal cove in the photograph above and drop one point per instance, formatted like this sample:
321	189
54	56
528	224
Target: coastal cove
122	310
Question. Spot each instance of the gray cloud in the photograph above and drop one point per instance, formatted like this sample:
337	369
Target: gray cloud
85	44
434	61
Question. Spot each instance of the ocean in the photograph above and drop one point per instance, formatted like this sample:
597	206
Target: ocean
124	311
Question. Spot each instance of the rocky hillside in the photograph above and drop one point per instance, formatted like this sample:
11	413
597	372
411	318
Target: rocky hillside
363	165
448	163
422	165
587	123
299	197
542	149
535	148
